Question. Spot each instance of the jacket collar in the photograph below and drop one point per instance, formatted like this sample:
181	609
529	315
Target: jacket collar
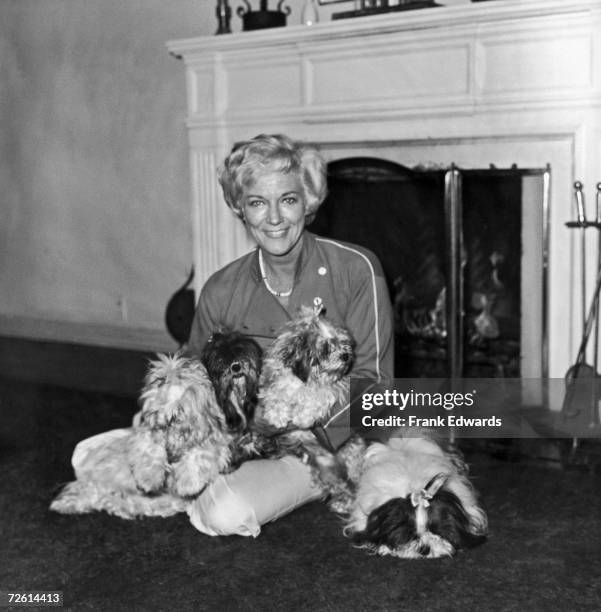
307	249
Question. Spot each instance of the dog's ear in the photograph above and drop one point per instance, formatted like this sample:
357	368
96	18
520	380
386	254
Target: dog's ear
296	355
208	352
235	416
435	484
237	403
301	370
448	519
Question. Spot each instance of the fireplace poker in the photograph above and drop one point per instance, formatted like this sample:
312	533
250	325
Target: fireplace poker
594	399
581	218
574	372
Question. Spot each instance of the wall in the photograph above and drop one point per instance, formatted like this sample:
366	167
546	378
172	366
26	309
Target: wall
95	223
95	229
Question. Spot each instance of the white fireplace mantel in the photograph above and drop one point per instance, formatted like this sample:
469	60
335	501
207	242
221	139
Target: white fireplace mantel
498	82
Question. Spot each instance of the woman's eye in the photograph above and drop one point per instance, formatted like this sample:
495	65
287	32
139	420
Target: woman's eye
255	203
290	200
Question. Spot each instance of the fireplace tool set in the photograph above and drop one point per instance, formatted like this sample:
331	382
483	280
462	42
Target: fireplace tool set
582	379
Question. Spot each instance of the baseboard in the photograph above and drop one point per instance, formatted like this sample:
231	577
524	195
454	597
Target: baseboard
93	334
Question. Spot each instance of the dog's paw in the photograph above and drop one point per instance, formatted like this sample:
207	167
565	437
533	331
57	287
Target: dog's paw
148	461
150	478
67	504
188	481
341	503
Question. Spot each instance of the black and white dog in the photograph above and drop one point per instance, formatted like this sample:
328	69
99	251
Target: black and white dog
413	499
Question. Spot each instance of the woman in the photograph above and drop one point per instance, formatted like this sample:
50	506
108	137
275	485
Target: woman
275	185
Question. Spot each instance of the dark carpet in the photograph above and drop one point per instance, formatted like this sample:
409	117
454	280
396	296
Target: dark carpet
542	554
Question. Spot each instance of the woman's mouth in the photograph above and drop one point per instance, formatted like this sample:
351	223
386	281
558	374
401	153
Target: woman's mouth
275	233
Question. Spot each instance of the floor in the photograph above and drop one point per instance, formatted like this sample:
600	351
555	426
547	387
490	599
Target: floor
542	554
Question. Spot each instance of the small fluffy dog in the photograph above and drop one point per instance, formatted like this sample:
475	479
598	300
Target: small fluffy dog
303	372
413	500
180	440
302	383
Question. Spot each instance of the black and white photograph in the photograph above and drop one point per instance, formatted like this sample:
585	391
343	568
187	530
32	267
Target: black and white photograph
300	305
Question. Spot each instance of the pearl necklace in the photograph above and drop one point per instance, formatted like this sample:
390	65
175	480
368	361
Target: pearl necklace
280	294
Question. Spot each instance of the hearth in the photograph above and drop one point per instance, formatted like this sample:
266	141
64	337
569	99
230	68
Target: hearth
451	245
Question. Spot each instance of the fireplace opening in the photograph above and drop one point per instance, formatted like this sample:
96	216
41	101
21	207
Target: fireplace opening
403	215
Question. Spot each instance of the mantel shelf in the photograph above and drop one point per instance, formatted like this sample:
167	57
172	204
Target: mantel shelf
429	18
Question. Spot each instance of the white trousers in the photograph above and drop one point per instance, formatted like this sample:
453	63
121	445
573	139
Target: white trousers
238	503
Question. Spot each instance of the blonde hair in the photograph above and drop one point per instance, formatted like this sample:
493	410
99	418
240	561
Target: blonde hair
268	153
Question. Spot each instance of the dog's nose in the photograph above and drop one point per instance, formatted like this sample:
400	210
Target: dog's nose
236	367
424	550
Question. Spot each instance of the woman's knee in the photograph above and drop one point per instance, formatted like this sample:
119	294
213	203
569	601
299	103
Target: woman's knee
259	492
220	510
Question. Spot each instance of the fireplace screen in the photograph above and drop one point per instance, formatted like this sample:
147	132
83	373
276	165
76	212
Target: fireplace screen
463	252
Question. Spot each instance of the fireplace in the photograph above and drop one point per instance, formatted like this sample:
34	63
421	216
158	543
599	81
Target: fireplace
472	85
406	217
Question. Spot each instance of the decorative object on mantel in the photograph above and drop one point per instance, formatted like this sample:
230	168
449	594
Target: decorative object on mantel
262	18
224	16
376	7
309	14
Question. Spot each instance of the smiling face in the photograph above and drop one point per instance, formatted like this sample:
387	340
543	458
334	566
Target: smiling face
273	208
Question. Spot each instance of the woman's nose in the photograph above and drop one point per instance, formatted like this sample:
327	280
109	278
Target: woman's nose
274	213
